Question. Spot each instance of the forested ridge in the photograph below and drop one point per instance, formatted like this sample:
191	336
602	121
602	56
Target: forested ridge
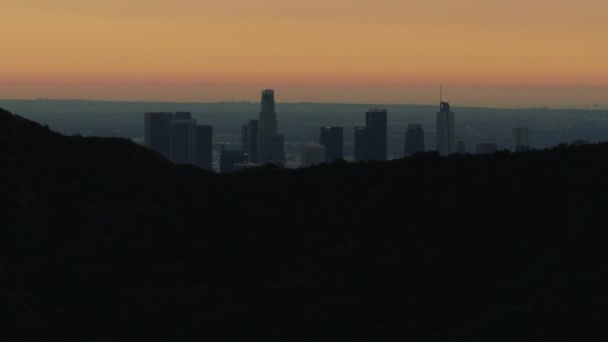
104	240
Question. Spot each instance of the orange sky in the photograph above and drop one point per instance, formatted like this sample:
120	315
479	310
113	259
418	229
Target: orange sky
317	50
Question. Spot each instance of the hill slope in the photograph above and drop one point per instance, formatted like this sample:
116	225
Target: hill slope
103	240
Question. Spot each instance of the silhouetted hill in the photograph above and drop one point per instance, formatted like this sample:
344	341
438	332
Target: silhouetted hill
103	240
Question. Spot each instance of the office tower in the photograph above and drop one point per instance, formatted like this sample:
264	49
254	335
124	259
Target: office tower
204	147
157	133
182	116
375	122
312	154
461	148
445	130
183	141
485	148
333	140
519	138
268	149
362	151
414	140
230	158
249	140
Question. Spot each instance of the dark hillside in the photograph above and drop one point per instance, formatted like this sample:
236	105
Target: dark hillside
103	240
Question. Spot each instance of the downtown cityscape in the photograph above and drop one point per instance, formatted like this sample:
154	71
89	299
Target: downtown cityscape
180	139
288	170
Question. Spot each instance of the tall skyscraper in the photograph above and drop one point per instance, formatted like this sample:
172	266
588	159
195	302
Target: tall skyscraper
183	141
312	154
371	140
270	143
333	140
446	142
157	132
249	140
520	139
204	147
362	147
414	140
375	121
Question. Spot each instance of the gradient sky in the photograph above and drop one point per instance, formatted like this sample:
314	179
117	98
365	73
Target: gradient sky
486	52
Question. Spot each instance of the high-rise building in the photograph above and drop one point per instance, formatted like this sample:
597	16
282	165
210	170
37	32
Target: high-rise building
362	150
157	132
312	154
520	139
230	158
204	147
414	140
270	144
333	140
183	141
371	140
249	140
446	143
375	121
182	116
486	148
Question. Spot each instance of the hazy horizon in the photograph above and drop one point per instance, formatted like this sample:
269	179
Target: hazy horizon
487	53
511	97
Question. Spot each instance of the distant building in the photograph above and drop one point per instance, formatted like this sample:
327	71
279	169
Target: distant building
362	152
486	148
414	140
268	149
228	159
182	116
446	143
183	141
312	154
376	122
371	140
461	148
249	140
520	139
157	132
333	140
204	147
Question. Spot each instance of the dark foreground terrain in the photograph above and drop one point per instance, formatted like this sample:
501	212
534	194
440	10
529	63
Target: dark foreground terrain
103	240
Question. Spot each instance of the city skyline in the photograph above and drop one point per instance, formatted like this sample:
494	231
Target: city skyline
487	53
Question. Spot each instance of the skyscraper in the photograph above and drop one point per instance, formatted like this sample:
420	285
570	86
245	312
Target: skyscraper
204	147
370	141
249	140
375	122
446	143
183	141
520	139
333	140
414	140
270	143
362	150
157	132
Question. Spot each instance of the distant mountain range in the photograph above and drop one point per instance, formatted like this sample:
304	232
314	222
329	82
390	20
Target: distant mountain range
104	240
